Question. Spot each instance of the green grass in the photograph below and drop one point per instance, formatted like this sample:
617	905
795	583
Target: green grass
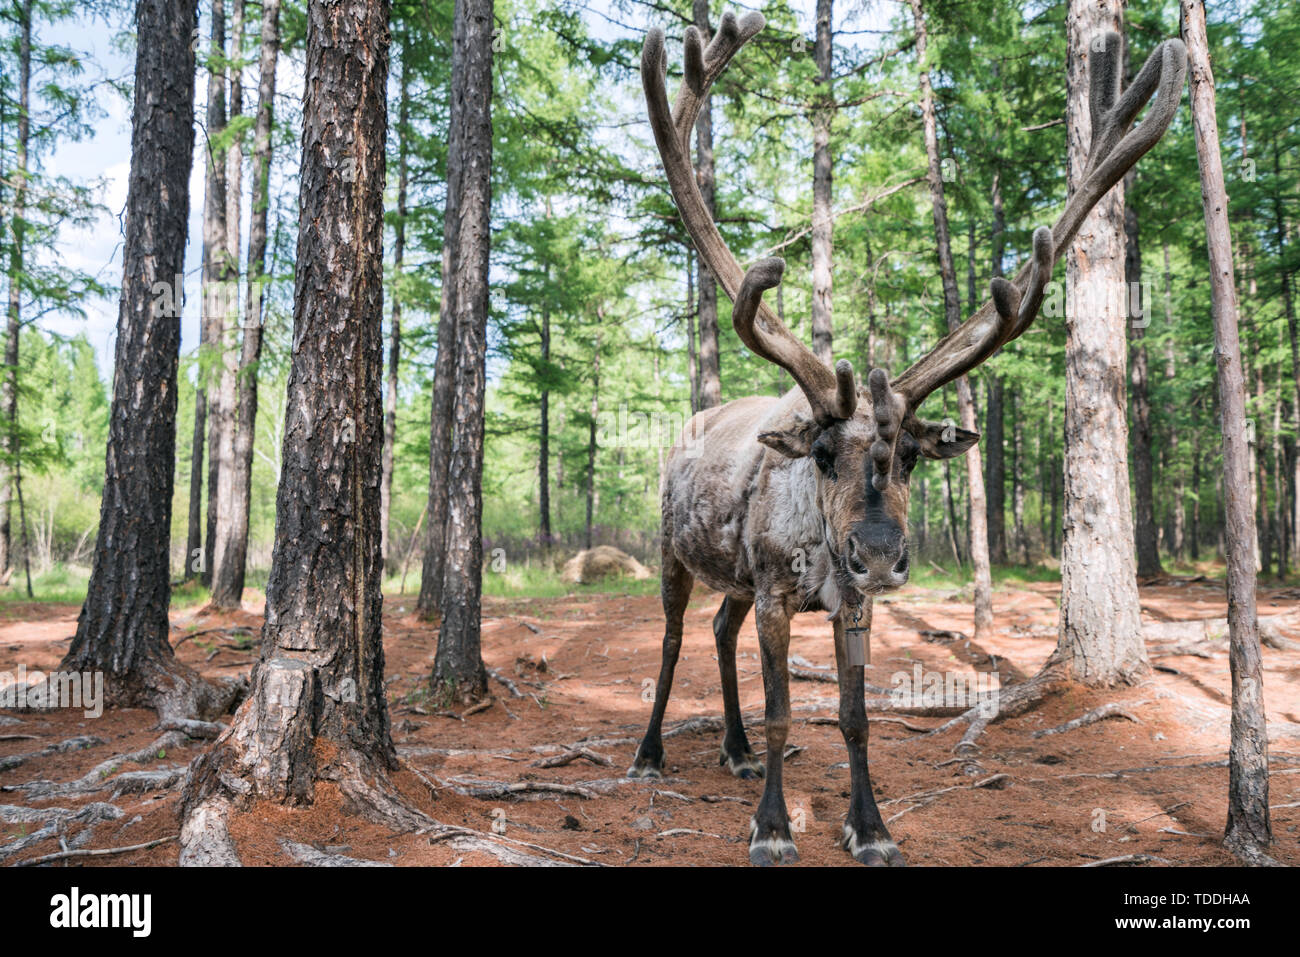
61	584
533	581
926	575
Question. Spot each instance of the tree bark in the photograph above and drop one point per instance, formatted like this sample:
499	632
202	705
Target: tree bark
1281	235
544	534
995	435
1019	470
317	709
395	323
591	444
1101	627
123	628
13	314
822	218
1178	507
199	539
228	579
1248	829
1144	527
227	583
458	668
979	543
710	367
434	565
994	442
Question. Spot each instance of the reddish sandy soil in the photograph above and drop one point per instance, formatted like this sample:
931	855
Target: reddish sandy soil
1155	786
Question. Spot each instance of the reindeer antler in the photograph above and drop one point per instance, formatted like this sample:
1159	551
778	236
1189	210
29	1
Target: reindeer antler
832	395
1115	147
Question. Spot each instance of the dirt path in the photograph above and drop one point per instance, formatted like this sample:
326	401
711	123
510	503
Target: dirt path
585	666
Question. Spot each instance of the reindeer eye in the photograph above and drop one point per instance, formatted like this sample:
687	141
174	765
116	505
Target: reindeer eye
824	459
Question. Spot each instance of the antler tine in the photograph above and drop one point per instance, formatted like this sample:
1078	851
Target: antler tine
832	395
1115	147
704	65
1116	144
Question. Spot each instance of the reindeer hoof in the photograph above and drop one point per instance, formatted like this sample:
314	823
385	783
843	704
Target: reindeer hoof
880	852
746	766
770	850
646	767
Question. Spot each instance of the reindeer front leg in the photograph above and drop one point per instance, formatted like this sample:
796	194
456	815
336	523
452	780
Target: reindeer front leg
769	829
865	836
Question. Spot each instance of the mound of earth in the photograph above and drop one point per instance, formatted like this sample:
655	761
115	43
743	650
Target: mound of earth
603	561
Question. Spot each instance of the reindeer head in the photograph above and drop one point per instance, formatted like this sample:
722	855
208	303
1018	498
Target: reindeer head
865	442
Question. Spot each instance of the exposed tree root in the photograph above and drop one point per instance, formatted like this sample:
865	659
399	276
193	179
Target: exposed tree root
100	777
306	854
1012	700
509	685
995	781
56	821
1111	710
62	747
271	752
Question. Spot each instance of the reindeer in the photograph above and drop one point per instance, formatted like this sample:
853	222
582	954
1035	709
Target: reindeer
823	471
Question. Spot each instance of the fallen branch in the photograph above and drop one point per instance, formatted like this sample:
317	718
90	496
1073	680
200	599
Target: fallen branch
94	852
1126	859
568	757
490	790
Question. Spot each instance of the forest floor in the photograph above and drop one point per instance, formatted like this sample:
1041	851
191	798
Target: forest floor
1155	785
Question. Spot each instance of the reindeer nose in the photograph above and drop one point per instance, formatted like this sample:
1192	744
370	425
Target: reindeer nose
877	546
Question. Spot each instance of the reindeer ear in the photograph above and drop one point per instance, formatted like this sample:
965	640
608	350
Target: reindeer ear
796	440
943	440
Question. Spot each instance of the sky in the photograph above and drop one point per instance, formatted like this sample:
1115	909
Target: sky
105	156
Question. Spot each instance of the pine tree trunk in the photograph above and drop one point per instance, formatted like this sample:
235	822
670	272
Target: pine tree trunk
13	315
995	434
591	445
457	666
434	565
215	263
1101	627
227	583
317	709
228	580
710	367
994	444
979	544
1281	236
395	326
123	629
1144	526
1248	829
1019	470
544	534
823	111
